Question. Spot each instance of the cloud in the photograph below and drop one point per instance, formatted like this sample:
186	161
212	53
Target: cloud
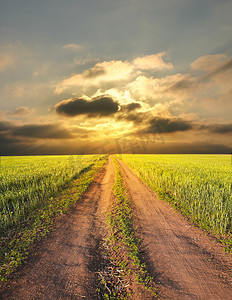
135	117
187	88
113	72
144	87
212	65
18	92
182	85
5	61
200	147
131	106
7	56
104	72
134	112
21	111
12	146
222	69
46	131
27	146
152	62
41	131
218	128
24	139
164	88
144	138
4	126
87	60
99	106
72	47
94	72
166	125
209	63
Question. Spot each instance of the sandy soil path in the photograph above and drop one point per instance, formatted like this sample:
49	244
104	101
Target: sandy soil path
64	264
181	256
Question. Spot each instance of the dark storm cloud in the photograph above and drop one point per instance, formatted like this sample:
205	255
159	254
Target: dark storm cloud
128	113
33	140
41	131
188	148
222	129
47	131
146	123
4	126
13	146
140	145
94	72
4	138
218	128
135	117
99	106
224	68
16	146
131	106
165	125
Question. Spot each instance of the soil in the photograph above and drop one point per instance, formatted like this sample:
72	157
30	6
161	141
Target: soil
186	263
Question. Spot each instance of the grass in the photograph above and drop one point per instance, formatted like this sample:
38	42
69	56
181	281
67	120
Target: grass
199	185
124	245
28	182
17	241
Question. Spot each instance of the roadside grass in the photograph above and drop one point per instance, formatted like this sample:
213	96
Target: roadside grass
15	243
27	182
124	246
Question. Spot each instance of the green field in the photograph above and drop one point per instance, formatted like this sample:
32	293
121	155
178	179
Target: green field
200	185
29	182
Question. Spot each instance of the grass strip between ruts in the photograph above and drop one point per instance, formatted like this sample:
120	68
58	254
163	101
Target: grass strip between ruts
16	243
123	242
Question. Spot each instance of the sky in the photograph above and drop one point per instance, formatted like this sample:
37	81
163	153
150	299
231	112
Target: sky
124	76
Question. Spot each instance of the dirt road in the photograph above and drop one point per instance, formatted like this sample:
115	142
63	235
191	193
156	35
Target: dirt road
64	265
186	263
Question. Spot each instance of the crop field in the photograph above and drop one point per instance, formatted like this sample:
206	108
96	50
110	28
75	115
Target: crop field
28	182
200	185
